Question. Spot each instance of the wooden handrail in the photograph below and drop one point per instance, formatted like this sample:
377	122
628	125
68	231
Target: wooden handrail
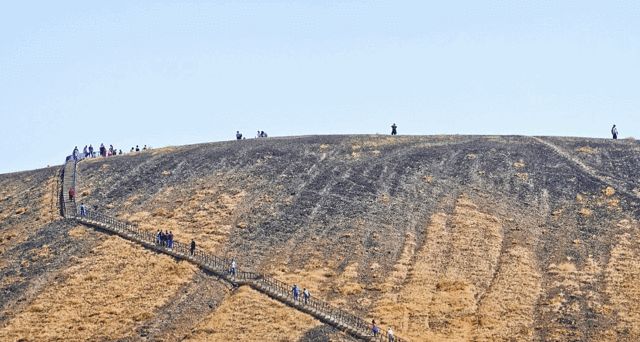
276	289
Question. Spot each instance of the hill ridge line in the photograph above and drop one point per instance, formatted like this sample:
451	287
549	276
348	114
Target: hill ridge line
337	318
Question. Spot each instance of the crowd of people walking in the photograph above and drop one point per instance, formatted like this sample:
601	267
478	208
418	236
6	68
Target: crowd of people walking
164	239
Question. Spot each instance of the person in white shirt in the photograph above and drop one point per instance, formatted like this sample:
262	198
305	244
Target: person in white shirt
390	335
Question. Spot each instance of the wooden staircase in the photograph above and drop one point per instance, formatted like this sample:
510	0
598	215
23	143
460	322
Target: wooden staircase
326	313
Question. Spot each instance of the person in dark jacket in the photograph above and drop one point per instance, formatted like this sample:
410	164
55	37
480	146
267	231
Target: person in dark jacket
394	130
614	132
192	250
296	292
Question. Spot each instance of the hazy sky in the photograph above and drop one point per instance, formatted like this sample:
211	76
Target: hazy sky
178	72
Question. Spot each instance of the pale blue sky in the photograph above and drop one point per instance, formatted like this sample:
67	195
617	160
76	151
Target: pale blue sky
179	72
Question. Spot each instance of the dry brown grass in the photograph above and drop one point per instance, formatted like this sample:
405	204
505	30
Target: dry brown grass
433	295
519	164
507	309
103	295
608	191
376	142
248	315
163	150
28	203
586	149
586	212
403	264
207	215
622	274
613	203
49	200
78	232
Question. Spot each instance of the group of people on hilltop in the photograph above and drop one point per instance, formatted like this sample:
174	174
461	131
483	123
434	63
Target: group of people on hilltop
89	152
259	134
137	148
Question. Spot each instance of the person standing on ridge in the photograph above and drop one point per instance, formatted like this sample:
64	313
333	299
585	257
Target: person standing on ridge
614	132
91	151
238	135
394	129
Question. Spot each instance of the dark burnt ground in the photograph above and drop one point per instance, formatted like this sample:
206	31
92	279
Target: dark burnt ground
27	202
618	161
184	311
325	333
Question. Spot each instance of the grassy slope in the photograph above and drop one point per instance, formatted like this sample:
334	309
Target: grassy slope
468	238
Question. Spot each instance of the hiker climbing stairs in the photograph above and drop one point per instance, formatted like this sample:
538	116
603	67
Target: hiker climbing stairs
326	313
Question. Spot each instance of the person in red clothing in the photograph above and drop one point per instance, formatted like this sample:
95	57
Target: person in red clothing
72	194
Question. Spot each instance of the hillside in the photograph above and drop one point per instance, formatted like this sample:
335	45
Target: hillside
442	237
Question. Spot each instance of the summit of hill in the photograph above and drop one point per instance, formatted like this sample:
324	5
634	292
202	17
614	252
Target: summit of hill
469	238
